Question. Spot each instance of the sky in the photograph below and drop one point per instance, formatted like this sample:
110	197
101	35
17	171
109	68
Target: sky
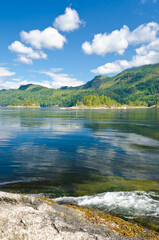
58	43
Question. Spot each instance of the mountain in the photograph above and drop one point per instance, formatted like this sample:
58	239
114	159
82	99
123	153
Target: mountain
31	87
131	69
136	84
96	83
131	77
141	84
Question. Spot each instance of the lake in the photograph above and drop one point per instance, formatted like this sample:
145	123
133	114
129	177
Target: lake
106	159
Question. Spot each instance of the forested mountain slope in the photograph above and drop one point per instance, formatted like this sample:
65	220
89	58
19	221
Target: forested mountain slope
141	84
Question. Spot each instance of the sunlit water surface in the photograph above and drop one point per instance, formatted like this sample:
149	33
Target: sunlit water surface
107	159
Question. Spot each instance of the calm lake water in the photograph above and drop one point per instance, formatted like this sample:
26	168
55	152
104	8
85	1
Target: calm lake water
108	159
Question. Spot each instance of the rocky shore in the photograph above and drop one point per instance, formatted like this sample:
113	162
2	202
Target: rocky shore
24	217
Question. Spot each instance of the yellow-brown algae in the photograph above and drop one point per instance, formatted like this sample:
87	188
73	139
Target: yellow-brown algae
49	201
120	226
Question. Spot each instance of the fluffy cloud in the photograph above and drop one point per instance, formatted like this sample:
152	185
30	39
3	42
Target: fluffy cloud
9	84
107	68
26	54
24	59
57	79
143	57
18	47
153	46
49	38
5	72
60	79
145	33
107	43
119	40
69	21
16	83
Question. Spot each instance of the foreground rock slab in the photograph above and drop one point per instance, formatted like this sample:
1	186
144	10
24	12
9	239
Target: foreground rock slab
24	217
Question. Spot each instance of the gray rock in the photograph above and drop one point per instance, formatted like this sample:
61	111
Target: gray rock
23	217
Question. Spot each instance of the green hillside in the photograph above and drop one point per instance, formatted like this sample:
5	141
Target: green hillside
141	84
97	83
136	84
31	87
133	86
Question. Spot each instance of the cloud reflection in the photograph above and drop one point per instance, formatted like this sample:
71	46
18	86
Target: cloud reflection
68	145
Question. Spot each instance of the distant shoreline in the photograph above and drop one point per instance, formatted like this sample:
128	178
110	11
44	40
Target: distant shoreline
22	106
107	108
124	107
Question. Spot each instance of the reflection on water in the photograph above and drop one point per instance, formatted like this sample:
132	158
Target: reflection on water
67	152
54	144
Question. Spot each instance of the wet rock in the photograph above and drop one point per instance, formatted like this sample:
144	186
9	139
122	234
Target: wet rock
23	217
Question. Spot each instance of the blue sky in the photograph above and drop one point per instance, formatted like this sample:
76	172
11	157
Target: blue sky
66	43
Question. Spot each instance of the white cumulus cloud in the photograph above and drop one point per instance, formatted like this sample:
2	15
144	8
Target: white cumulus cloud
18	47
26	54
113	67
153	46
141	58
17	83
24	59
61	79
69	21
10	84
5	73
106	43
56	79
144	33
49	38
119	40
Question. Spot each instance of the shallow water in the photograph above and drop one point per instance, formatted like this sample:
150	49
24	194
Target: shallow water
110	155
